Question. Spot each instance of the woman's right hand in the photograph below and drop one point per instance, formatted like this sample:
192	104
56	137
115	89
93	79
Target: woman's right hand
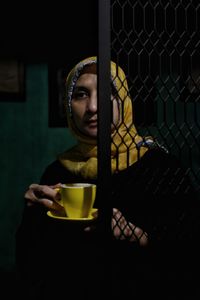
44	195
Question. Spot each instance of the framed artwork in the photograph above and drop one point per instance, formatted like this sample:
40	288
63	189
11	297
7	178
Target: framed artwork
12	80
190	79
57	77
190	86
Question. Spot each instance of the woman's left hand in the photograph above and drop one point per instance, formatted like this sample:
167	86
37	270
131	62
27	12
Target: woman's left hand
124	230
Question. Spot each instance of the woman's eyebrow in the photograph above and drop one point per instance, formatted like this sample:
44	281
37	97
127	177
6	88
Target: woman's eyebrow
80	87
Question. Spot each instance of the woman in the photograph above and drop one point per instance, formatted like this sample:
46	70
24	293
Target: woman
152	200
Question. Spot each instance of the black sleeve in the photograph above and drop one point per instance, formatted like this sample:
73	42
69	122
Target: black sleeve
53	174
158	197
175	204
56	173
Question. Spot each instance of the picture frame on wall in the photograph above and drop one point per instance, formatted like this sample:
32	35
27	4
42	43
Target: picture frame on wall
190	86
56	80
12	80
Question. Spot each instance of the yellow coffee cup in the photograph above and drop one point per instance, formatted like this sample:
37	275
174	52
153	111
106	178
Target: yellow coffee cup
77	199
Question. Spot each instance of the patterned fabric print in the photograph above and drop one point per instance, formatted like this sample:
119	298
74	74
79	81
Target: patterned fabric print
151	144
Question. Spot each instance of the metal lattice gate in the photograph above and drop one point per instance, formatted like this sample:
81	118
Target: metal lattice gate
157	45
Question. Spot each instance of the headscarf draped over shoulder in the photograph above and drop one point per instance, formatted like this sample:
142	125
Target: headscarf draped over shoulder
127	146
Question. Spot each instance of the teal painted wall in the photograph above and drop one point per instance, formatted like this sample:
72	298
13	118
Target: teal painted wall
27	146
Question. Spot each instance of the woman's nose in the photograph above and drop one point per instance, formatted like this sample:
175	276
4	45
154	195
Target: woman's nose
92	103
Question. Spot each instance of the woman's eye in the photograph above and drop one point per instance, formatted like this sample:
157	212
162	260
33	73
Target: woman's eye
80	94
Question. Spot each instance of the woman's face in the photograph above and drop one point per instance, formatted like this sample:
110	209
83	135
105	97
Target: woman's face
84	105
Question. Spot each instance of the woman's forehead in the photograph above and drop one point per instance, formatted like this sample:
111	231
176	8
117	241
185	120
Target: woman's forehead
92	69
86	79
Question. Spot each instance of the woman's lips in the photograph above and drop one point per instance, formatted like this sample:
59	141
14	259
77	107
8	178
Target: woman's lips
92	123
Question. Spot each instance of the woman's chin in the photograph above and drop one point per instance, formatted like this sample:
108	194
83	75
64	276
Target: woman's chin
91	132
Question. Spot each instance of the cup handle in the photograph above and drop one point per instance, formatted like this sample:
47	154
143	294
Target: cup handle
58	201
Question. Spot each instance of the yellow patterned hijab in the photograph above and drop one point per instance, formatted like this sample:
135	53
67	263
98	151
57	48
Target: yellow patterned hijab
127	146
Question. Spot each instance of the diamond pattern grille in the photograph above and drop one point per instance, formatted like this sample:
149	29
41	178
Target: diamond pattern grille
157	45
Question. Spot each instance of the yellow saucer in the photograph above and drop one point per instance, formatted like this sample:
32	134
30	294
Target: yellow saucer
93	216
